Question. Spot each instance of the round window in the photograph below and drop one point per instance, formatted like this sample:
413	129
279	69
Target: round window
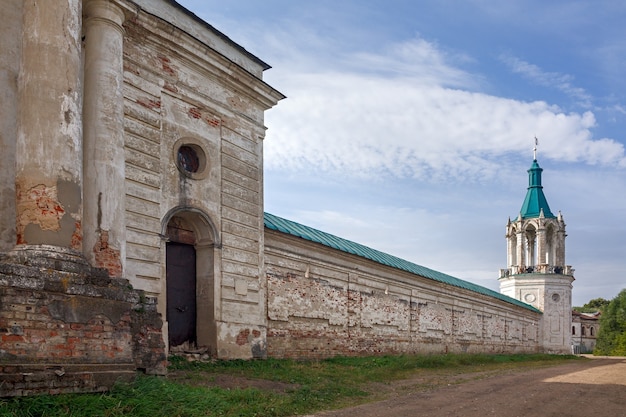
191	159
556	297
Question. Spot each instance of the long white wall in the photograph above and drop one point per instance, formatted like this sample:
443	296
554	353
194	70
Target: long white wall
323	302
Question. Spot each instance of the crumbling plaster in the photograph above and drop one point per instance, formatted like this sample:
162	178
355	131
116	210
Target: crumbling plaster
10	51
322	302
178	91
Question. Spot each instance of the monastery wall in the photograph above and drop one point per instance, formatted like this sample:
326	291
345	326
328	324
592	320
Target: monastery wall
323	302
131	133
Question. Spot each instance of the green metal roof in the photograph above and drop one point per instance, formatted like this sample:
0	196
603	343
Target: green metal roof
273	222
535	200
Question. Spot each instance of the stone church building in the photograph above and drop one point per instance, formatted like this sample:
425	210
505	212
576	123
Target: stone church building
132	221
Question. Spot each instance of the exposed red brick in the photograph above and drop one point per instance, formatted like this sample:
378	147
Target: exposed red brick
242	337
179	231
150	104
166	66
195	113
7	338
77	236
38	205
198	113
106	256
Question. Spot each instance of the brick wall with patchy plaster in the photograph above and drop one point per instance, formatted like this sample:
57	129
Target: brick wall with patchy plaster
106	256
48	214
67	327
48	172
323	302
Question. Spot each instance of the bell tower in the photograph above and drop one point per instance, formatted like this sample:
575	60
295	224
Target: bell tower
536	272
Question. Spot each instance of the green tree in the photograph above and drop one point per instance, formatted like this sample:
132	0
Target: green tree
597	303
593	306
612	335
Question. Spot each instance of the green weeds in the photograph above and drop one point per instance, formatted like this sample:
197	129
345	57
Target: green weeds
306	386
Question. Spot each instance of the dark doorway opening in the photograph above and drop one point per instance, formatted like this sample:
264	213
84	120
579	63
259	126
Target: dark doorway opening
181	293
189	293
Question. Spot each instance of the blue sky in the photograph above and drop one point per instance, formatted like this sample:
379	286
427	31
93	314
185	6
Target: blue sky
409	125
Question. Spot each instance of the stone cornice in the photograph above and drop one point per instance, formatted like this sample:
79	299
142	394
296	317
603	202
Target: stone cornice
206	60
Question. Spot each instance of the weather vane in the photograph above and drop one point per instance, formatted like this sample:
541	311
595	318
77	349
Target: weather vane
535	148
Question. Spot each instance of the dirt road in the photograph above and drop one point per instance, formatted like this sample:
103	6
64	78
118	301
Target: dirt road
595	387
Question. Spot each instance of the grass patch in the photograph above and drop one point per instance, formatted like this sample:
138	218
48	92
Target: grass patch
312	386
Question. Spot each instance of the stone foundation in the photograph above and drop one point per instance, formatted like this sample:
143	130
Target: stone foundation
67	327
33	379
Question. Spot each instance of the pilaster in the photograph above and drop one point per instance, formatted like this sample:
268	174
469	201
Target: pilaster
48	180
520	246
10	51
541	245
104	220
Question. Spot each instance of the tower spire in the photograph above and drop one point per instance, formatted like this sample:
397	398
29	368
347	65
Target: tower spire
535	148
535	202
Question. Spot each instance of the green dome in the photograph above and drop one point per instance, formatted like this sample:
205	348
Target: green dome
535	201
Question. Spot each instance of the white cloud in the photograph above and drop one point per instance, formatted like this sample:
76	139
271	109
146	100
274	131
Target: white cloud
555	80
367	125
418	61
618	108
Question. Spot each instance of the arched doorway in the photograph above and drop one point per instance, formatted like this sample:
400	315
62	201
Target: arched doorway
190	302
180	264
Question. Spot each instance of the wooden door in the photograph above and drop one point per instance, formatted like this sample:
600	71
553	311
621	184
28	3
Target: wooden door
181	293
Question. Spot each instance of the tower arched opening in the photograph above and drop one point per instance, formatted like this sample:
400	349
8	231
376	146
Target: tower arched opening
550	246
530	233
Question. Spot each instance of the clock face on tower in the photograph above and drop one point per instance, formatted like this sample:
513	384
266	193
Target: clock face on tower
556	297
